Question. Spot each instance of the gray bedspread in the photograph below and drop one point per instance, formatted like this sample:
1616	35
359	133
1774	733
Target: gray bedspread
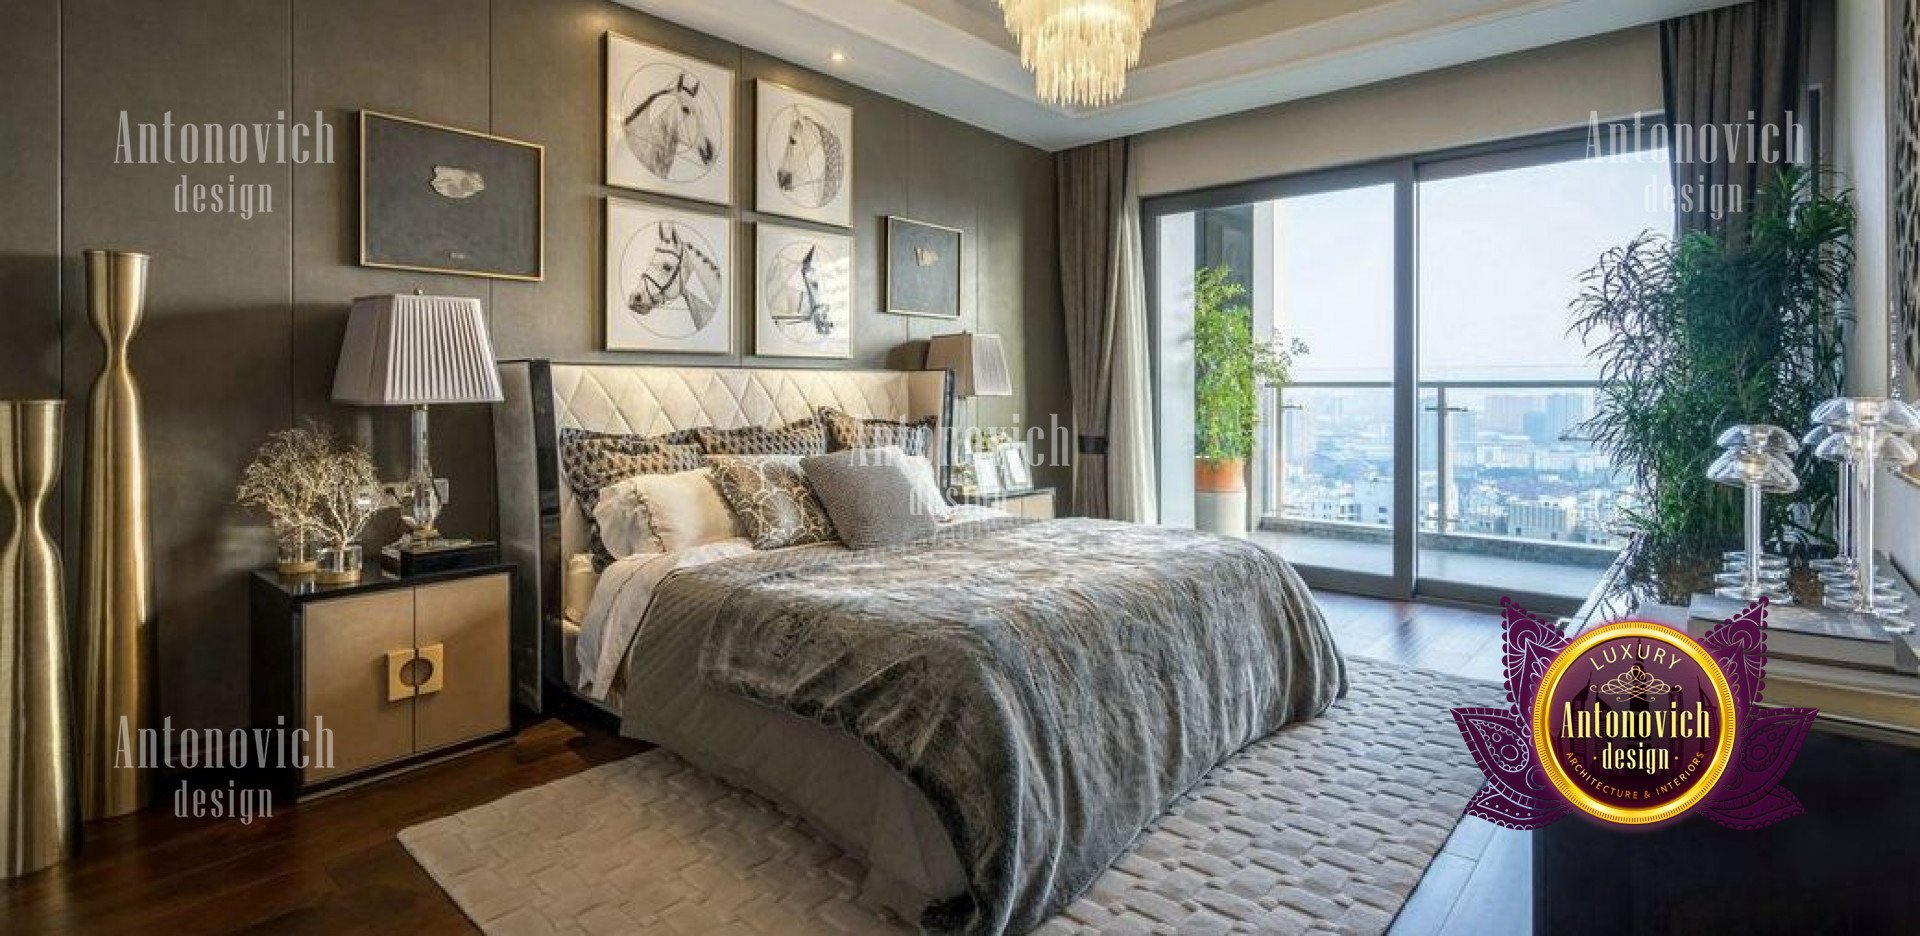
1049	686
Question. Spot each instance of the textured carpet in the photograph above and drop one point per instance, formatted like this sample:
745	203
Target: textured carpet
1324	827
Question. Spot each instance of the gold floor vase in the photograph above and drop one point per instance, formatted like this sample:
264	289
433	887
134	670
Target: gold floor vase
39	814
116	575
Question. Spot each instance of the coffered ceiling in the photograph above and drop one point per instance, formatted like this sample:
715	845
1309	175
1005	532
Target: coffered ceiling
1203	58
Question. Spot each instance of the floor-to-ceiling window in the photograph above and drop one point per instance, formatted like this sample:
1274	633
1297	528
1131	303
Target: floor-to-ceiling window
1429	441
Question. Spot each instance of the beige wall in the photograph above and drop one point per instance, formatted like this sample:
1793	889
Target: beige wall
1514	95
1860	116
245	316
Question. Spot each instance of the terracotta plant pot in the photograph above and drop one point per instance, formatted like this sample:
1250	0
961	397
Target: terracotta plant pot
1220	475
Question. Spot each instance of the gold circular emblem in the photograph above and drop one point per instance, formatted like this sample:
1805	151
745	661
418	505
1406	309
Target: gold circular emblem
1634	643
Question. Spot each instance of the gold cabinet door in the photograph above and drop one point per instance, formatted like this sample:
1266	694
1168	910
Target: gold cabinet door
466	623
1037	506
344	682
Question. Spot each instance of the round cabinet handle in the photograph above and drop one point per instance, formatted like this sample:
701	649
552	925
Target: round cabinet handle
416	672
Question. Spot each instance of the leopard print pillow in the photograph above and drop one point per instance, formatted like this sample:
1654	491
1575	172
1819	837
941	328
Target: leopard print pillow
593	460
800	437
851	432
771	497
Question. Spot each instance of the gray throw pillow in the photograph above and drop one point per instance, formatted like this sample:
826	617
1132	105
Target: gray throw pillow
872	496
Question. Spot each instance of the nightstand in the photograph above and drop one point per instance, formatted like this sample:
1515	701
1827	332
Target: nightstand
399	672
1034	504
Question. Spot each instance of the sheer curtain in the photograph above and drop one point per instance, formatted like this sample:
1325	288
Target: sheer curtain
1103	292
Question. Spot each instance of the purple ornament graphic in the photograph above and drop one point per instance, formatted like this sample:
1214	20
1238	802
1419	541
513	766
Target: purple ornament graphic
1748	794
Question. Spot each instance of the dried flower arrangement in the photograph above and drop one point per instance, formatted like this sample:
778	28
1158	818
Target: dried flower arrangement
313	489
285	481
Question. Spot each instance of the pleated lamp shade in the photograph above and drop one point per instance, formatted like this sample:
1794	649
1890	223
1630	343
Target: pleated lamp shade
416	350
978	363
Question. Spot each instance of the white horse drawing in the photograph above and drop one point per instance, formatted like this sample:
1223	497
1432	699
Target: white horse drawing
669	125
813	164
679	271
794	296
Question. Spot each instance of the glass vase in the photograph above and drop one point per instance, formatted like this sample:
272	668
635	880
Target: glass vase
296	553
339	565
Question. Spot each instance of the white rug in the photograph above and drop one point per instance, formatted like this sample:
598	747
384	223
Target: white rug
1323	827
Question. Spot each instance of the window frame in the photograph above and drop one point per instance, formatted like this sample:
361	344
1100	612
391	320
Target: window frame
1405	173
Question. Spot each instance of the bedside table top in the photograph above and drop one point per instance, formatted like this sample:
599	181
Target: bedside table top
1001	496
372	579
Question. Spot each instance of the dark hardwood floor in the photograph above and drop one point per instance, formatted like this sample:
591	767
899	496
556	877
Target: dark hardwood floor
333	865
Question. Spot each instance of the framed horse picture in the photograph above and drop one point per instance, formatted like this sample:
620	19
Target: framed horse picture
667	279
669	122
803	305
804	155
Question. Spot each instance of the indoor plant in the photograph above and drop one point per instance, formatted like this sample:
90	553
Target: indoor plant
1230	367
285	481
1695	335
349	498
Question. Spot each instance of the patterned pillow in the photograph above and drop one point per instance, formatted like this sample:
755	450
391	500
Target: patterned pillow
852	432
874	496
773	500
594	460
800	437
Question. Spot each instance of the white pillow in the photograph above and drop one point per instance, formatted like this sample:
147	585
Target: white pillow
663	513
926	485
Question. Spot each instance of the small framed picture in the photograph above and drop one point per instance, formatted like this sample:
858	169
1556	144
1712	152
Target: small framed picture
986	473
1015	470
440	199
923	269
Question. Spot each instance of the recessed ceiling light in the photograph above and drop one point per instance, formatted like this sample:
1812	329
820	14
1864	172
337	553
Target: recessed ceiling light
837	56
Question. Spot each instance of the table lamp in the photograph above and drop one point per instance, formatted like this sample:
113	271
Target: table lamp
417	351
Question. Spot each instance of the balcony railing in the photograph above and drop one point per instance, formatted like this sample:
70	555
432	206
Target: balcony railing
1501	468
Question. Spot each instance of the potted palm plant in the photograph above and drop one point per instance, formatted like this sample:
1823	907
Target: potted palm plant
1230	368
1695	335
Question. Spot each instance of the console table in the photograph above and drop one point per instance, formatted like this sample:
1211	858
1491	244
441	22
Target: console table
1845	866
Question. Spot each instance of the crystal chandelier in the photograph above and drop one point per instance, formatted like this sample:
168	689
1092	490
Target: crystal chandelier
1079	50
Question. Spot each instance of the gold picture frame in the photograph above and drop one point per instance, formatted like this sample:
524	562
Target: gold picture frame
401	224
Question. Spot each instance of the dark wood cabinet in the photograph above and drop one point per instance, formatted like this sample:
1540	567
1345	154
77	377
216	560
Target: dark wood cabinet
383	674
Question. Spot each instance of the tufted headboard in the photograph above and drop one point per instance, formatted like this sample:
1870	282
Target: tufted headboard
541	524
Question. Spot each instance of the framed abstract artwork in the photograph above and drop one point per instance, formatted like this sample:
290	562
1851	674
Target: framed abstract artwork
669	122
923	269
668	279
803	156
444	200
803	289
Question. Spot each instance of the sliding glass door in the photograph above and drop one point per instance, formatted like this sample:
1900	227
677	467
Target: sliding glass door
1428	441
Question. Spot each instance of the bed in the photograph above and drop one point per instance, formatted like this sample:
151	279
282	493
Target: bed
987	716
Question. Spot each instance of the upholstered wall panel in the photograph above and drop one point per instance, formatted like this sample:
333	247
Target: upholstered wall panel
212	356
30	218
247	314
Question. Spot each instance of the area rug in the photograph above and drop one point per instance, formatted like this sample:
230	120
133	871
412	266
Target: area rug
1324	827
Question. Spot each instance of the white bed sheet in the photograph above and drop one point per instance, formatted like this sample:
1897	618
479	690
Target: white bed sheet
620	601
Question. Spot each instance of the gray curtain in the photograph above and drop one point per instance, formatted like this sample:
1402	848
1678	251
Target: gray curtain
1095	276
1730	68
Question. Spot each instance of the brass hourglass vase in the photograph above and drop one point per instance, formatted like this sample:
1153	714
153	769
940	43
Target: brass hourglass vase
1756	460
39	789
1869	434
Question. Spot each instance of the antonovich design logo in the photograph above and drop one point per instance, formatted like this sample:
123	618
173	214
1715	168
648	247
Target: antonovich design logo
1634	723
